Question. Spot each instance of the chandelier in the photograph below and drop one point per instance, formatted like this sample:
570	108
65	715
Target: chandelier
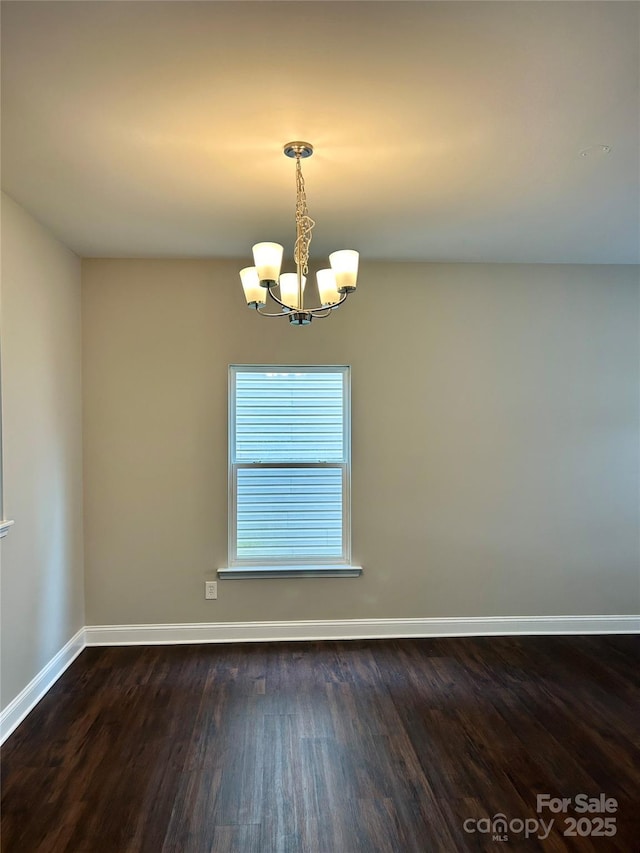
334	283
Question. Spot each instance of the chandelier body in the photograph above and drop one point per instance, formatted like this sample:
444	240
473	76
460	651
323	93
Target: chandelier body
334	283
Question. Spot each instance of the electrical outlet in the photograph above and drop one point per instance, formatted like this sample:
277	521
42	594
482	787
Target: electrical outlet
210	589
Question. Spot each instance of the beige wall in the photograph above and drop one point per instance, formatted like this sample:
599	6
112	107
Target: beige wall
495	440
42	566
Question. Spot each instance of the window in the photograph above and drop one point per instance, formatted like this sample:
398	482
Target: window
289	471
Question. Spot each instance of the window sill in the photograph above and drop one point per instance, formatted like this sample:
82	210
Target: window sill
4	528
253	572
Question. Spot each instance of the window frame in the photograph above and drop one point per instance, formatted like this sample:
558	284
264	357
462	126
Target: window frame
285	566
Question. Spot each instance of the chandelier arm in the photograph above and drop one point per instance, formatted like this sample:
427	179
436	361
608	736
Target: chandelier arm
328	309
289	309
314	312
269	314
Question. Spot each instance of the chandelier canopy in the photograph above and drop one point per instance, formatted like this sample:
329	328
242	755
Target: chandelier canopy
334	283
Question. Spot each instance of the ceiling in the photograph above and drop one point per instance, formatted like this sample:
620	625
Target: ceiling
444	131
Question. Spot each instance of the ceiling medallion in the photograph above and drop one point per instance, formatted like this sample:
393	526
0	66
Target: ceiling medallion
334	283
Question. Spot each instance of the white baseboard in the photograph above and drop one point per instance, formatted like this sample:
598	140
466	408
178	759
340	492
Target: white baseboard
352	629
27	699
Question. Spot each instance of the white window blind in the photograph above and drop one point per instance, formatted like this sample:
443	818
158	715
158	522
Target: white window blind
289	449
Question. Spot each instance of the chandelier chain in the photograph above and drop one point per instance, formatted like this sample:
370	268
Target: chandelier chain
304	223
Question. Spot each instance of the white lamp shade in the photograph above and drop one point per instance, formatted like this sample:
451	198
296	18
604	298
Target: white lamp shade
289	288
253	292
327	287
268	260
345	266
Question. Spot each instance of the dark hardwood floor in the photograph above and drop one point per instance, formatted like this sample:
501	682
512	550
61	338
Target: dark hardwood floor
330	747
